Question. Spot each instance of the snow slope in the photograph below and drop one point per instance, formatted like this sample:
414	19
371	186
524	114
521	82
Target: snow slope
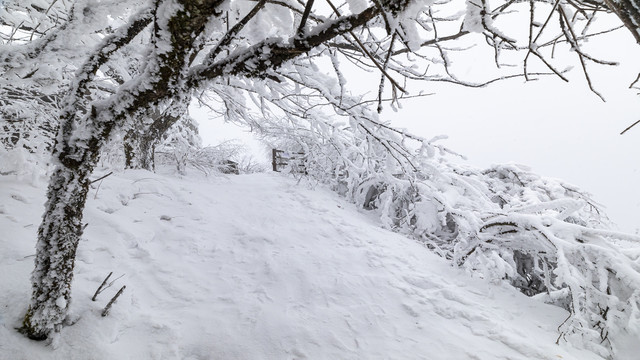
258	267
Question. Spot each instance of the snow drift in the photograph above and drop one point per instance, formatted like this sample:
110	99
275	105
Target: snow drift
259	267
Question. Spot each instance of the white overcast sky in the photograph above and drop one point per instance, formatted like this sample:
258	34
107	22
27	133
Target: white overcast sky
559	129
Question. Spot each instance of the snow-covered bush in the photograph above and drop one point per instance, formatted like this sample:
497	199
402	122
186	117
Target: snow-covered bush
544	237
219	158
27	119
27	130
247	164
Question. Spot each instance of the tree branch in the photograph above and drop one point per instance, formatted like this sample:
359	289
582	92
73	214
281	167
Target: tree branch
229	36
632	125
303	21
269	54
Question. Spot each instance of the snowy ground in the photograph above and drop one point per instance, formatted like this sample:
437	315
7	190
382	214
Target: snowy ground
258	267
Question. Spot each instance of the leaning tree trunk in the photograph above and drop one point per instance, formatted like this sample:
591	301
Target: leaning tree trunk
82	136
58	237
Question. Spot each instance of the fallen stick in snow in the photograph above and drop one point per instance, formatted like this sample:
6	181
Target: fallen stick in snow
101	286
100	178
104	286
105	312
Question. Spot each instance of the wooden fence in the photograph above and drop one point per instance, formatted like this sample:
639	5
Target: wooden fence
280	159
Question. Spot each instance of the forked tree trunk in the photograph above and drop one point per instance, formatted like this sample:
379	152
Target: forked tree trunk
58	237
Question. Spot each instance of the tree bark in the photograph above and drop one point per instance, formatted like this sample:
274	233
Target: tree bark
629	12
140	143
82	135
139	150
58	237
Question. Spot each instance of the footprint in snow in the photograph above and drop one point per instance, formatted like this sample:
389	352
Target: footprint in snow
420	282
19	198
409	310
11	218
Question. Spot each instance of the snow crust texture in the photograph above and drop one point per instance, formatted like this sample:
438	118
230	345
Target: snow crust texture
259	267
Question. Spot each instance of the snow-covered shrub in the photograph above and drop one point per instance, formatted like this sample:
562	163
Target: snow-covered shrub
28	126
544	237
209	159
27	119
247	164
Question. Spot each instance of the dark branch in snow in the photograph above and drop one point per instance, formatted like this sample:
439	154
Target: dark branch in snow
99	290
107	308
303	20
101	177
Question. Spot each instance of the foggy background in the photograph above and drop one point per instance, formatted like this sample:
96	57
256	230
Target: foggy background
558	129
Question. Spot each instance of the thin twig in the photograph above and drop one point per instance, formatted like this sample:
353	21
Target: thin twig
100	178
386	63
105	312
434	41
632	125
385	100
557	72
533	48
567	29
109	284
367	53
230	35
635	81
532	10
101	286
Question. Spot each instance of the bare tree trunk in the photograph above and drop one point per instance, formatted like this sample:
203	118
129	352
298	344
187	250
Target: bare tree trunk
58	238
139	150
140	143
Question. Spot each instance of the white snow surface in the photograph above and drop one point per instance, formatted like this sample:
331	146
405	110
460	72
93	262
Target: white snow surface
257	267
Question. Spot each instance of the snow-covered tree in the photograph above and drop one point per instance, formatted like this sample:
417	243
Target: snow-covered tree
273	53
43	44
505	224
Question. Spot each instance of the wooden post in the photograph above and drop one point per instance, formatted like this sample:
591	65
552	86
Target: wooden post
274	157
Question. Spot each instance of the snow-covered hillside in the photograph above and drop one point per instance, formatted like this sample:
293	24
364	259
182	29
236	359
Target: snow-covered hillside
258	267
